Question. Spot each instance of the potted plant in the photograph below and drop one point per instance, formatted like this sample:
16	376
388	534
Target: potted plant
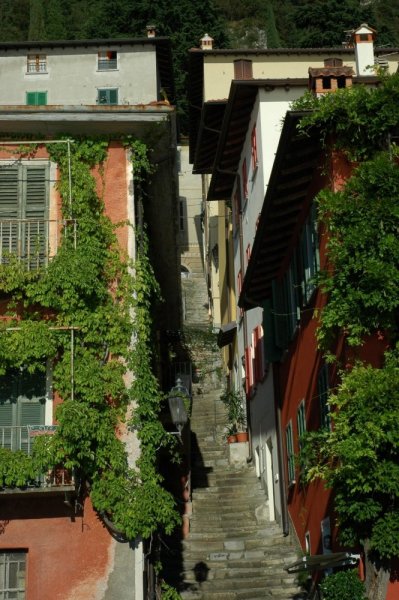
231	434
236	422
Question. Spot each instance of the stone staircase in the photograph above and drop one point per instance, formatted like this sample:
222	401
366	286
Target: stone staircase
233	551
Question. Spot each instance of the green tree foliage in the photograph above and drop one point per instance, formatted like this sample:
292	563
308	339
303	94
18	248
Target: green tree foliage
359	458
13	22
344	585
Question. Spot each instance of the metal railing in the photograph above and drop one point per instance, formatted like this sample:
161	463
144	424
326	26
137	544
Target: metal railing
37	66
33	242
21	438
105	64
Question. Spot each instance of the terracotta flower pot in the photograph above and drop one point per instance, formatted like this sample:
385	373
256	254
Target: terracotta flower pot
231	439
242	436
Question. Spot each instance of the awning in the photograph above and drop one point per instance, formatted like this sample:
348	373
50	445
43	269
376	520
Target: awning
319	562
227	334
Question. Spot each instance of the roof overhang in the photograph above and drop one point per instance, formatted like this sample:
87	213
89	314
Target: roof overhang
87	120
208	135
297	158
234	130
227	334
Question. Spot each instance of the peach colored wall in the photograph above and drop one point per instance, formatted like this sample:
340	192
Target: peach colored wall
68	558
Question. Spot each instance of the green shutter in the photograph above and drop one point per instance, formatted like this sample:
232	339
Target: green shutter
113	96
41	98
31	98
290	454
35	231
9	210
322	390
272	353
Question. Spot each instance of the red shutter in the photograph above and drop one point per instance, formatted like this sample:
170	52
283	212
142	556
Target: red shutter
249	380
254	150
245	179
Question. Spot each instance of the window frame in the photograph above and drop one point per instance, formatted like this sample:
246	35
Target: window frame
36	95
289	442
7	558
38	61
103	59
107	91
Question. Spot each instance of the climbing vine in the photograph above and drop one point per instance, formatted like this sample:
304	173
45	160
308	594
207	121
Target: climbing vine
91	286
358	458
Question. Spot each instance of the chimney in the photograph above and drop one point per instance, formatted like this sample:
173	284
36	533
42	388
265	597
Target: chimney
206	42
151	31
363	39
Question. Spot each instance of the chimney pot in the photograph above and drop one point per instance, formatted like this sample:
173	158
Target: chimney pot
206	42
151	31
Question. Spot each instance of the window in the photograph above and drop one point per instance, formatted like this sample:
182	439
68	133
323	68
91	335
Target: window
181	214
290	454
23	213
259	361
36	63
285	307
249	374
310	255
322	391
245	179
107	96
239	288
36	98
107	60
237	210
22	403
254	151
248	253
243	69
12	575
301	421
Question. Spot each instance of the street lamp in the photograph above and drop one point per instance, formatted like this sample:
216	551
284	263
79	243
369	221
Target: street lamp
176	405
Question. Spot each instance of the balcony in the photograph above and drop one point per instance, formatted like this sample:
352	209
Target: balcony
37	66
107	64
32	242
21	438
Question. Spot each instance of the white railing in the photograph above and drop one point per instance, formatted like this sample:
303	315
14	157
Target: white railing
33	242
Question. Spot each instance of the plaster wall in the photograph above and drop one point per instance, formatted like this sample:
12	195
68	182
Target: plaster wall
73	78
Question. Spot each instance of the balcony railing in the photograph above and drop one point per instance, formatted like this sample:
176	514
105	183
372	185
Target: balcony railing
33	242
106	64
37	66
22	438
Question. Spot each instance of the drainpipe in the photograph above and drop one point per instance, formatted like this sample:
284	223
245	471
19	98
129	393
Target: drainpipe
279	434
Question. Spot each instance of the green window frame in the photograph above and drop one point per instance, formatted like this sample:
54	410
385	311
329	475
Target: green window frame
323	392
13	574
107	96
301	421
36	98
290	454
310	255
24	200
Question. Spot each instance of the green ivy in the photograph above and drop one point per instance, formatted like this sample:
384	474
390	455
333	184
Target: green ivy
89	286
359	457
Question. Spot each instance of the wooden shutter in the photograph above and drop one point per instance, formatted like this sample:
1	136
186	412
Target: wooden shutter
272	353
113	97
31	98
30	406
243	69
35	229
322	391
41	98
9	210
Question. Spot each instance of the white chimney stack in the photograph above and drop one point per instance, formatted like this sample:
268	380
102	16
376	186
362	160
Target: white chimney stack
363	38
151	31
206	42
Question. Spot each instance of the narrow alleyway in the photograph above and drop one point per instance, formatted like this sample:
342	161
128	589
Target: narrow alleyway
233	551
